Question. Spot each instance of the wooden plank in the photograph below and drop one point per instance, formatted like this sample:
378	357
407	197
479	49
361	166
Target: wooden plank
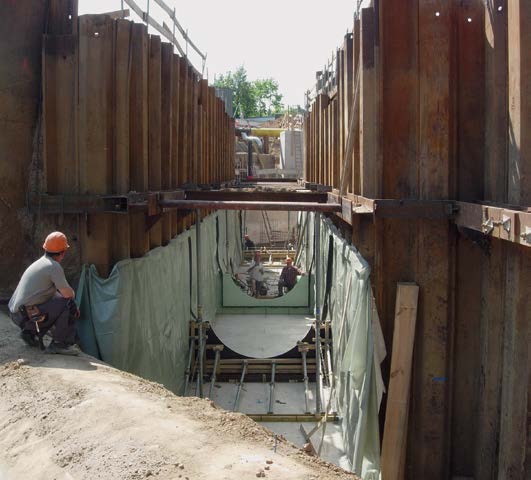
250	205
519	79
203	157
395	432
356	51
239	195
398	19
491	359
348	95
431	380
323	141
496	108
369	169
335	180
516	359
466	355
469	185
118	14
121	237
138	128
466	183
21	51
400	98
516	366
167	102
59	113
96	35
154	129
177	224
62	17
194	139
340	103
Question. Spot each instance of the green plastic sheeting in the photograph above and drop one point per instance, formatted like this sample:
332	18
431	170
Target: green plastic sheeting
355	371
138	318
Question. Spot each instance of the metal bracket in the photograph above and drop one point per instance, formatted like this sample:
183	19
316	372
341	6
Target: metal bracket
489	224
526	236
506	223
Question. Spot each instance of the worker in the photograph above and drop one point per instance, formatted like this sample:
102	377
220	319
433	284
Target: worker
249	244
256	273
43	299
288	277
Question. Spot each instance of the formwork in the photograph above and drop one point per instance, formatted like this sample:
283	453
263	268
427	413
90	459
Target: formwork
422	132
121	123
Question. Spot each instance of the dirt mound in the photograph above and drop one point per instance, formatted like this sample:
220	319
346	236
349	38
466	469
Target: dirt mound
64	417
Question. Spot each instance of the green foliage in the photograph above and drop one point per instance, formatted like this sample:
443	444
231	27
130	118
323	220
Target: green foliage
252	99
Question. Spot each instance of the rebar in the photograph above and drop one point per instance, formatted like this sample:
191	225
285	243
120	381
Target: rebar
213	377
317	243
272	387
189	366
305	378
199	301
240	385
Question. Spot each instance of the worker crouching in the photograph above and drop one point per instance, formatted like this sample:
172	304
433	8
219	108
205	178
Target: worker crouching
43	299
288	277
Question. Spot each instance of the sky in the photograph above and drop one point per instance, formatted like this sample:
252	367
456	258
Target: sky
287	40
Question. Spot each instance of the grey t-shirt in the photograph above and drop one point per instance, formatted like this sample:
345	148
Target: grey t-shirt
38	284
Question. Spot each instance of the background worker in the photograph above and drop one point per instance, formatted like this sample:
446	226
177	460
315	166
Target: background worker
288	277
43	299
256	272
248	243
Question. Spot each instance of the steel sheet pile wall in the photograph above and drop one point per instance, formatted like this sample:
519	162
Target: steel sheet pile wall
443	126
123	113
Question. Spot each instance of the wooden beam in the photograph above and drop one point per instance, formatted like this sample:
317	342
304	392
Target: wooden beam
62	17
59	113
154	129
395	432
369	168
496	108
118	14
256	195
493	318
96	36
138	128
248	205
519	79
431	385
167	101
121	237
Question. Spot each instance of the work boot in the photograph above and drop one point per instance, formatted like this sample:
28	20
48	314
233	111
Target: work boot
62	349
29	338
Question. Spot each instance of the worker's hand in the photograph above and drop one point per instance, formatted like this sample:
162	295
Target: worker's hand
72	307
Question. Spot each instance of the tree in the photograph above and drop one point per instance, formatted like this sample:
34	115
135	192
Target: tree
251	99
268	98
244	97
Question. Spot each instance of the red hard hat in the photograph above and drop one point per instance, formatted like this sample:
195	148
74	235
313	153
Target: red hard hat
56	242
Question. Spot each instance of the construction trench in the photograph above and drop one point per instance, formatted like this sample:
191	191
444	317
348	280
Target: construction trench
403	350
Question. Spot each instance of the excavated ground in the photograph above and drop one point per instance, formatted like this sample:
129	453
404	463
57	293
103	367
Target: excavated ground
78	418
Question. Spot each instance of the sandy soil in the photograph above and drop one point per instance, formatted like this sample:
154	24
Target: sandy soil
77	418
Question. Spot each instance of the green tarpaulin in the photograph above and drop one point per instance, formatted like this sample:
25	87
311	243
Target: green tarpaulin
138	319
